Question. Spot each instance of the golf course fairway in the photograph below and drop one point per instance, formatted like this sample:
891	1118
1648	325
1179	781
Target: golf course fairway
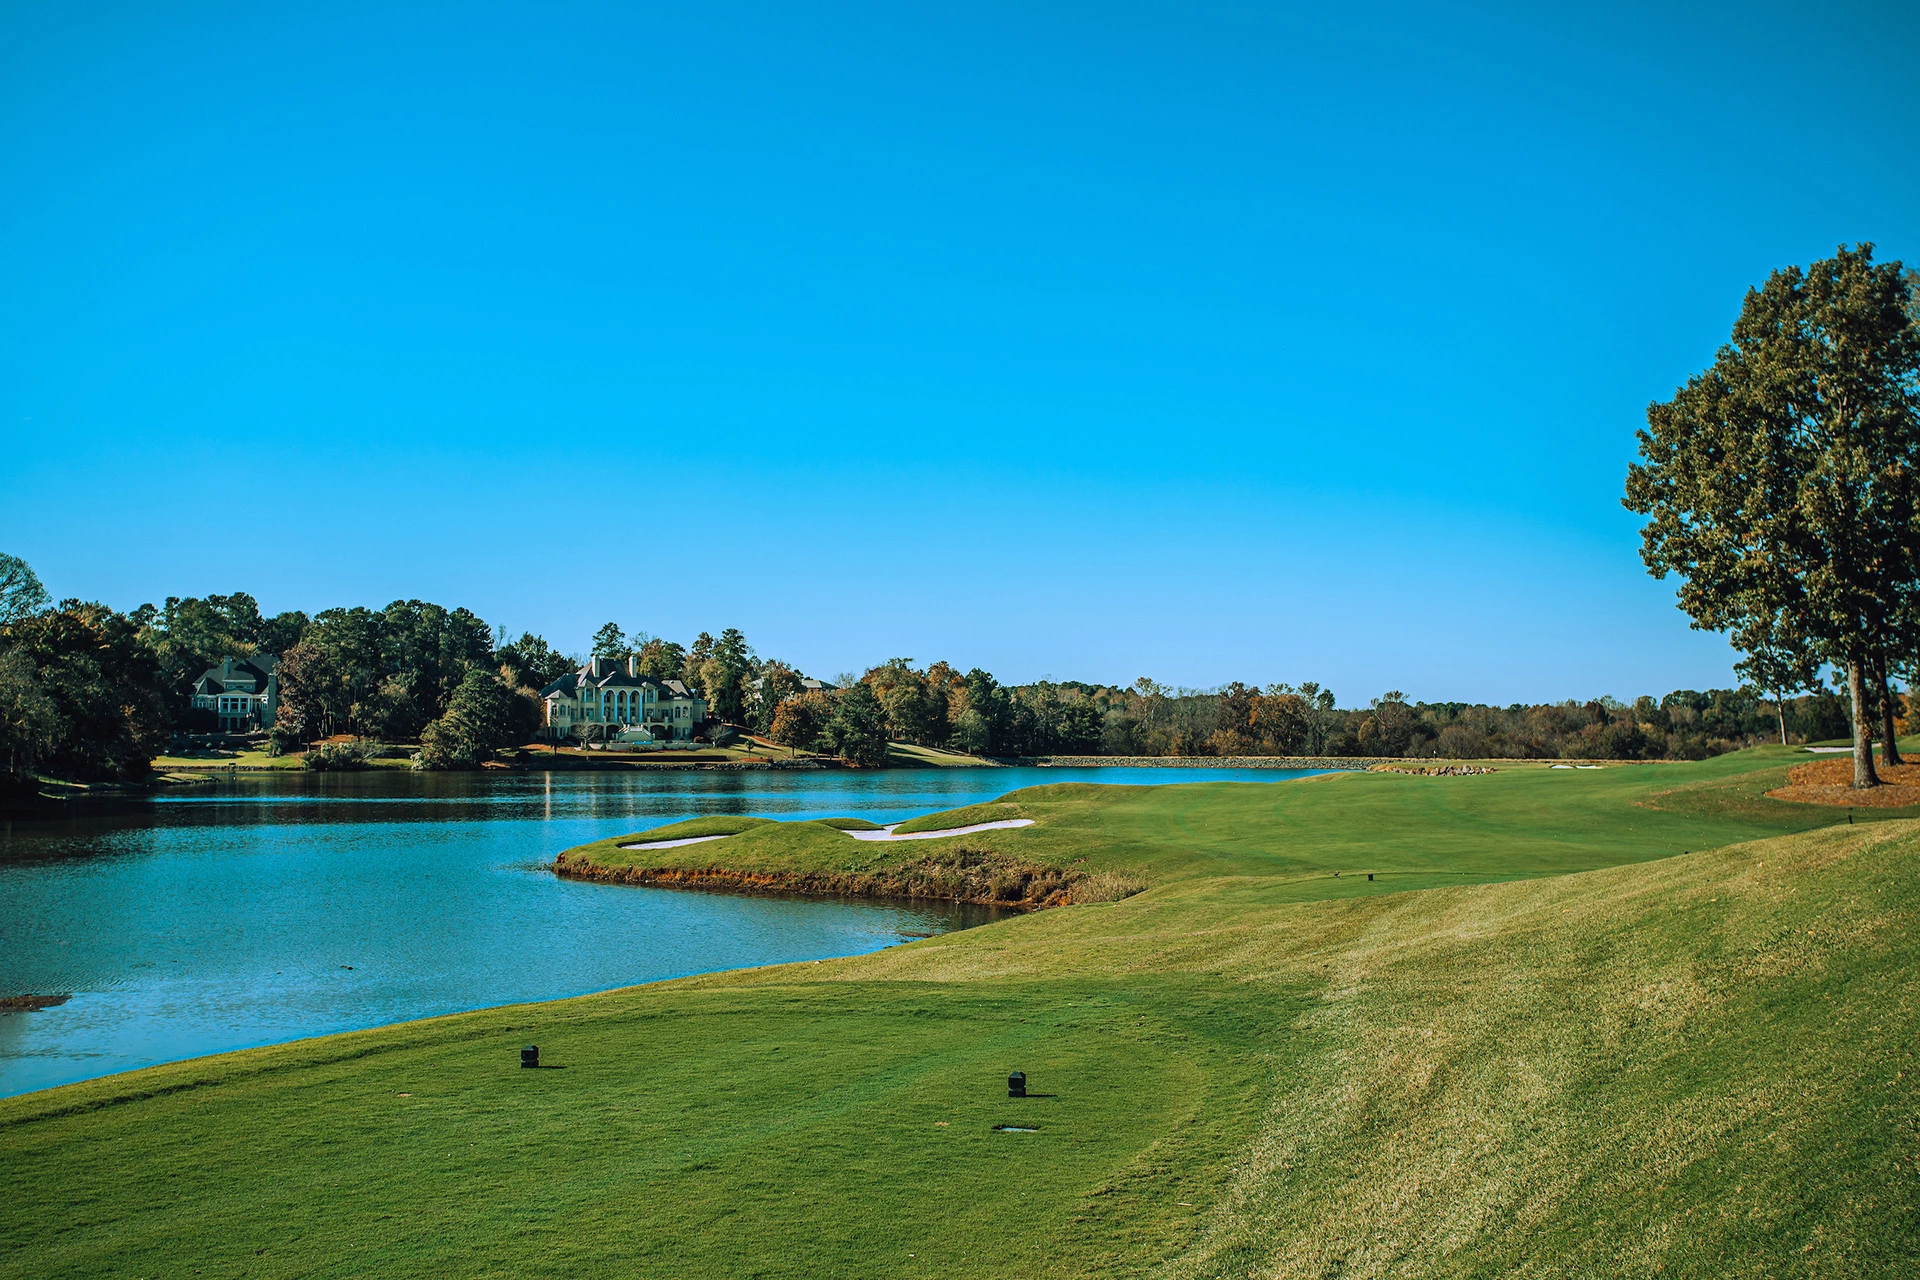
1633	1021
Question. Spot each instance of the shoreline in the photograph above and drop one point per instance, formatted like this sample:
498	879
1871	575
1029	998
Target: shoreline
846	886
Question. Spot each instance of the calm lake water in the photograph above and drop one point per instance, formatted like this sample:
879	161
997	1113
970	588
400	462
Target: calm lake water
269	907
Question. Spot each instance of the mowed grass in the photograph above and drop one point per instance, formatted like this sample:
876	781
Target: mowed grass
1699	1065
1286	841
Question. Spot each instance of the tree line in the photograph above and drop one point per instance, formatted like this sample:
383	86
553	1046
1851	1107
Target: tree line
88	692
939	707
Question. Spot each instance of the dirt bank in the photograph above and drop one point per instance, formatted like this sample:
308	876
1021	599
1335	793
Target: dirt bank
960	875
1830	781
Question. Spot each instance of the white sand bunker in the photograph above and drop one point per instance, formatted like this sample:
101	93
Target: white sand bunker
886	832
671	844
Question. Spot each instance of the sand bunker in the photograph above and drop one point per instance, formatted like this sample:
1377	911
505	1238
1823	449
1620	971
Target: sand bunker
886	833
1831	782
671	844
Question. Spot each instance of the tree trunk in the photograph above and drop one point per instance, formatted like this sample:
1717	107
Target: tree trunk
1863	774
1780	709
1889	749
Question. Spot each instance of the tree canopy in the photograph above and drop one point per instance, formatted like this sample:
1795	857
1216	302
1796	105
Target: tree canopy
1781	481
21	595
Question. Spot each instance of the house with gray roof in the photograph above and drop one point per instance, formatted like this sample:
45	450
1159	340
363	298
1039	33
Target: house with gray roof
609	699
243	692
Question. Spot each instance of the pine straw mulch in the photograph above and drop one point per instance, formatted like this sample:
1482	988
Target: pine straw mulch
1830	781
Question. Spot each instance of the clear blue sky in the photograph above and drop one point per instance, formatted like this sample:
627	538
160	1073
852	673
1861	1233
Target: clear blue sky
1249	342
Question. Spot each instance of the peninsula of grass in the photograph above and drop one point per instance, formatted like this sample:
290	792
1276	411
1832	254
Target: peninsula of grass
1542	1040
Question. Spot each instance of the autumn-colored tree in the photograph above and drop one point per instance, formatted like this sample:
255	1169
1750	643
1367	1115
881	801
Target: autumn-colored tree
773	683
797	722
309	690
1279	721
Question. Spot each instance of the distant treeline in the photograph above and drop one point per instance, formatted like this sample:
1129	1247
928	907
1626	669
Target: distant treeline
86	691
973	713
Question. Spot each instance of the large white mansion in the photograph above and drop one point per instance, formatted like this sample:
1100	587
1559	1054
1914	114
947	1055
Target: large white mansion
608	699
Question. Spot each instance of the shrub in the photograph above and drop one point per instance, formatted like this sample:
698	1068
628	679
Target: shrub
339	755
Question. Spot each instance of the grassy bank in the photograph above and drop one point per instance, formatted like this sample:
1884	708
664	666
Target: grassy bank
1677	1065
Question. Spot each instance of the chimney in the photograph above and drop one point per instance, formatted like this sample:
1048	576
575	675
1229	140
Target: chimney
633	664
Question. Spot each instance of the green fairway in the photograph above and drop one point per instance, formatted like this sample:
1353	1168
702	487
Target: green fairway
1286	841
1698	1066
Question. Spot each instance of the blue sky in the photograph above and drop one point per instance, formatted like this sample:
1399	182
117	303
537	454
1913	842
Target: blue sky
1202	342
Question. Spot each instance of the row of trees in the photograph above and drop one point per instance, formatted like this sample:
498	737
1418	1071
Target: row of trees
80	694
1782	486
88	692
938	707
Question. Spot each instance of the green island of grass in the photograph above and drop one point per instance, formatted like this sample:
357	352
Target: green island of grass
1629	1021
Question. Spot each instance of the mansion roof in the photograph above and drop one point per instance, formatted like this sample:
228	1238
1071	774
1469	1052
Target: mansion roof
251	674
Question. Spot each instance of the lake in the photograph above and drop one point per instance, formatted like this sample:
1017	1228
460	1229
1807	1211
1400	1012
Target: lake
268	907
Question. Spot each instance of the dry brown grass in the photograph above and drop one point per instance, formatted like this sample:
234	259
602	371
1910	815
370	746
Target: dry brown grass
1830	781
1106	886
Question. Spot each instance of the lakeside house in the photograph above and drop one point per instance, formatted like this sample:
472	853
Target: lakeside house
243	692
609	699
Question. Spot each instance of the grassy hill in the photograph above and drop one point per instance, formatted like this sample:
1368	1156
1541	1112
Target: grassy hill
1693	1065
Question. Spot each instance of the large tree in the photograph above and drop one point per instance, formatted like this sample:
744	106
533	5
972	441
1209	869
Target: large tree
534	661
857	729
1781	481
773	685
479	718
429	649
609	641
310	692
21	595
662	659
798	722
723	676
